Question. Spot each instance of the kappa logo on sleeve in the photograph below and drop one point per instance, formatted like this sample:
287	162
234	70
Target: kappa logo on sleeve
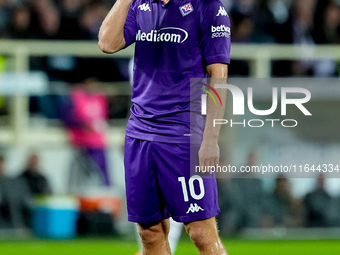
222	12
186	9
144	7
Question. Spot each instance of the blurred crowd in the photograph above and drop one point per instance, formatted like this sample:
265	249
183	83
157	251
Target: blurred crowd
52	19
259	21
22	197
285	21
17	193
245	203
299	22
60	20
253	21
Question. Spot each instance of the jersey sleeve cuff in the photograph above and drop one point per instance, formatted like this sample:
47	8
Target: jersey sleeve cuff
216	59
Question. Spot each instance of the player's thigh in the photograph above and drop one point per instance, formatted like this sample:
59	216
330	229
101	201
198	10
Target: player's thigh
144	201
188	196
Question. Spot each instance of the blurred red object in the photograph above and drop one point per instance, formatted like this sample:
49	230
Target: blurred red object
112	205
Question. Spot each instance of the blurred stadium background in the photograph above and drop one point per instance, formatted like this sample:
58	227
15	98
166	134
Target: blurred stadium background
49	189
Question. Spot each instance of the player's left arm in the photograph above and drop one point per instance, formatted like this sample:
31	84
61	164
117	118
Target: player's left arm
215	45
209	152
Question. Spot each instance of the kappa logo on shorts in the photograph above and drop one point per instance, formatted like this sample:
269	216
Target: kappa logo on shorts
194	208
144	7
186	9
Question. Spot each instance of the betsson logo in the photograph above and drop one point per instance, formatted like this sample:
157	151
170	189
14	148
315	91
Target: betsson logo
166	34
221	28
220	31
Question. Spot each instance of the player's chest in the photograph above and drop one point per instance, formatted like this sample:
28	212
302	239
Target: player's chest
177	22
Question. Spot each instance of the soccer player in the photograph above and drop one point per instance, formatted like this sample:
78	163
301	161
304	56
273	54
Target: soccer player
176	40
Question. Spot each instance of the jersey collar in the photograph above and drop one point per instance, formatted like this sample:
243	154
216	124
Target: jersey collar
163	2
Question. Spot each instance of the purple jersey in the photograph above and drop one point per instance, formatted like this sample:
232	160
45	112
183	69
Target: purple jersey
174	43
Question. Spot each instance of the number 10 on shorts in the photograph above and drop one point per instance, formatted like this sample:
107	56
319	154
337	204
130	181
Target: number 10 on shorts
193	193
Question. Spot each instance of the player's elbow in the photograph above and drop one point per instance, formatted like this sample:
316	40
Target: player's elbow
110	47
107	48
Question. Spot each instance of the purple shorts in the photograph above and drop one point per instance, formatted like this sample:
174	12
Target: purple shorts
159	184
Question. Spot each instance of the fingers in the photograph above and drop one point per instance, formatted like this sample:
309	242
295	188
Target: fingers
208	157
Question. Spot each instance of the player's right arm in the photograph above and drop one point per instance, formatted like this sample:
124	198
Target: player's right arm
111	34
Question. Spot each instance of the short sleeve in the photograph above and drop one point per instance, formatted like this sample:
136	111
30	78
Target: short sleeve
130	27
215	33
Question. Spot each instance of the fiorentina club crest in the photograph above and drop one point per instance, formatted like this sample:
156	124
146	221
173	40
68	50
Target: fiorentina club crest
186	9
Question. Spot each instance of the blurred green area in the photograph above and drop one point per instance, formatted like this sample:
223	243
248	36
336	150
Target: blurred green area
185	247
